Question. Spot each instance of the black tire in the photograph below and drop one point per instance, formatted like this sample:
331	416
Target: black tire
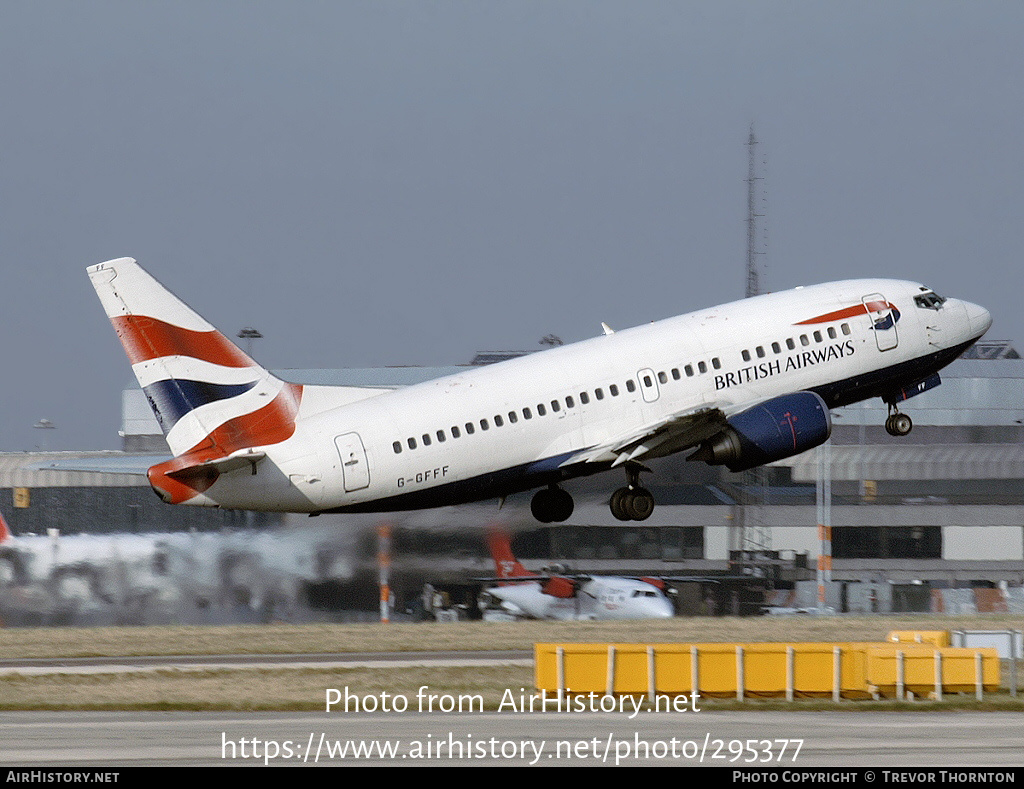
618	504
641	504
541	505
562	505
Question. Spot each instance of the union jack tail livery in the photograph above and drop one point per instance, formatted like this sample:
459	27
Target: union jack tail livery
212	401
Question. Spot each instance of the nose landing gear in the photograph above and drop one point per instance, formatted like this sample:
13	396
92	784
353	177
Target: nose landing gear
897	424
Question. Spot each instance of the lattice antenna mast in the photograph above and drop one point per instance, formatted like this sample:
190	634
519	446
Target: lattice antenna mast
753	274
755	538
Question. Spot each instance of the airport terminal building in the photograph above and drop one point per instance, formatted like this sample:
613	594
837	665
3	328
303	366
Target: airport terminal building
931	521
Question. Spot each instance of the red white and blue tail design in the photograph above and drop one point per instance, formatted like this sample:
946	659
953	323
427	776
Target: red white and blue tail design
210	398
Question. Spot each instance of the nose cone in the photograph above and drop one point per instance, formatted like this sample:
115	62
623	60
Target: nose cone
980	318
664	610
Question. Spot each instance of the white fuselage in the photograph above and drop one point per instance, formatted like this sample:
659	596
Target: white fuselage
602	597
522	423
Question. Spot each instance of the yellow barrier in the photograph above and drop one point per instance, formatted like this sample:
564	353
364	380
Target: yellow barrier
802	670
938	638
894	670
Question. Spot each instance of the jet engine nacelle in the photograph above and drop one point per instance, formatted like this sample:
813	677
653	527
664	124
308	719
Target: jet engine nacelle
559	587
773	430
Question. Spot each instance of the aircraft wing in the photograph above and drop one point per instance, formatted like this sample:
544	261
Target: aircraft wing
671	434
521	579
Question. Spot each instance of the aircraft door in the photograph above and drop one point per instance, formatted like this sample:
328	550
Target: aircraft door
354	467
883	318
648	381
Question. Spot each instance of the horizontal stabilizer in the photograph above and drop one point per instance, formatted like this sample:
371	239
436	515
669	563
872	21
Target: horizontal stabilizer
247	458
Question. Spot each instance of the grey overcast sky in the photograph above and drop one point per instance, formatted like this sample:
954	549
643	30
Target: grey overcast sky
388	183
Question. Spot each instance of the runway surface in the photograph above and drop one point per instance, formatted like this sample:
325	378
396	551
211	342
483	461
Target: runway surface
724	739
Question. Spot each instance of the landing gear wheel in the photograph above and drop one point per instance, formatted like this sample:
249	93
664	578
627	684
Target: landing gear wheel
898	424
901	424
551	505
640	504
634	504
617	504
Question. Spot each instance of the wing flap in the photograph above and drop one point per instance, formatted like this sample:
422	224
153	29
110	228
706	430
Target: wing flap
668	435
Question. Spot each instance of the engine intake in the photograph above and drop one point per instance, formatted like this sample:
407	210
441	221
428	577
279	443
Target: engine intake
773	430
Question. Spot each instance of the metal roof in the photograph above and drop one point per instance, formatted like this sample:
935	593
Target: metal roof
45	469
915	462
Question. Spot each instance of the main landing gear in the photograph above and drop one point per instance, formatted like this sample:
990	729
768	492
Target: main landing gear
897	424
551	505
632	503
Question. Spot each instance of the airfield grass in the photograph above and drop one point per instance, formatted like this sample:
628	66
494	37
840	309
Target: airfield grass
465	636
253	688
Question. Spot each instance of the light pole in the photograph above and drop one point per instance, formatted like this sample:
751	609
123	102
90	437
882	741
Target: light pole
249	334
44	424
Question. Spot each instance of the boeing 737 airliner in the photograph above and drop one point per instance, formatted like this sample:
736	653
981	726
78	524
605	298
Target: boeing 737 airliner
741	384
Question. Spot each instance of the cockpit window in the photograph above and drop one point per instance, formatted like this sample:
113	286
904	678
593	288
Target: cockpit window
929	301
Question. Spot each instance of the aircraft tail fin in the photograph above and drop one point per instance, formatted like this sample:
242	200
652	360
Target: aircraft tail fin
505	562
210	398
5	532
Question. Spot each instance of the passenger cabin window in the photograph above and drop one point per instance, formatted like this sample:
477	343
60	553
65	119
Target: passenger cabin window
470	429
498	421
630	386
426	440
584	398
746	356
663	378
675	374
513	417
831	332
569	402
790	344
760	352
555	406
689	370
412	443
716	363
614	390
846	328
776	348
817	336
541	410
527	413
803	340
397	447
702	367
441	437
484	425
599	393
455	431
